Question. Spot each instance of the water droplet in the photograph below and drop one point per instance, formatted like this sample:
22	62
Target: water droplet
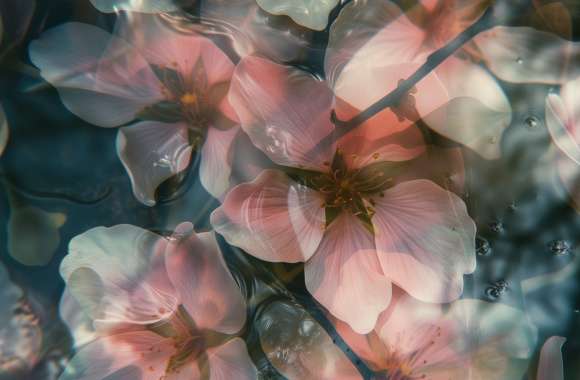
532	122
519	60
495	291
496	227
559	247
482	246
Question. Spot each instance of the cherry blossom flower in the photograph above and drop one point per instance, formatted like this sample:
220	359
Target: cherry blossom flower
337	206
471	340
312	14
373	39
551	365
562	120
161	308
170	86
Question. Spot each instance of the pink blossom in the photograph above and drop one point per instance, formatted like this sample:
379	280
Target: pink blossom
338	206
551	365
164	308
563	122
170	86
372	40
471	340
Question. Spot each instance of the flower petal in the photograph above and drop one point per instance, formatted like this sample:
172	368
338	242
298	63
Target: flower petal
285	112
118	275
253	31
152	152
308	13
146	6
100	78
78	322
4	130
345	276
200	276
369	34
216	160
231	361
425	240
478	110
551	366
527	55
272	218
497	338
561	126
121	357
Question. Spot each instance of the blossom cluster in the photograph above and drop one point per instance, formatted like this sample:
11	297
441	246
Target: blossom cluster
308	169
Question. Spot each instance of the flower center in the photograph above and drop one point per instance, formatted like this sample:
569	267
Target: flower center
187	99
188	341
350	190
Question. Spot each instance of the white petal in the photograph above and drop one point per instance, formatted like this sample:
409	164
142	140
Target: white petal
526	55
152	152
312	14
118	275
216	160
345	276
79	323
100	78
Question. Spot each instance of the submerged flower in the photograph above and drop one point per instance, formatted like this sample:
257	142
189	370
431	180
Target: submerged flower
171	85
471	340
371	40
312	14
338	206
162	307
563	122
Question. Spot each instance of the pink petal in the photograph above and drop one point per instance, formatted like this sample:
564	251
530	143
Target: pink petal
551	366
205	286
369	35
285	112
231	361
382	138
118	275
425	240
478	111
100	78
216	160
125	356
527	55
345	276
562	127
272	218
152	152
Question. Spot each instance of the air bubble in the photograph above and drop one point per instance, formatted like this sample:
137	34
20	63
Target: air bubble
559	247
482	246
532	122
496	227
519	60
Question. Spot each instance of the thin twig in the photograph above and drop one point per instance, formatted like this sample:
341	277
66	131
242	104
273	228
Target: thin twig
435	59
